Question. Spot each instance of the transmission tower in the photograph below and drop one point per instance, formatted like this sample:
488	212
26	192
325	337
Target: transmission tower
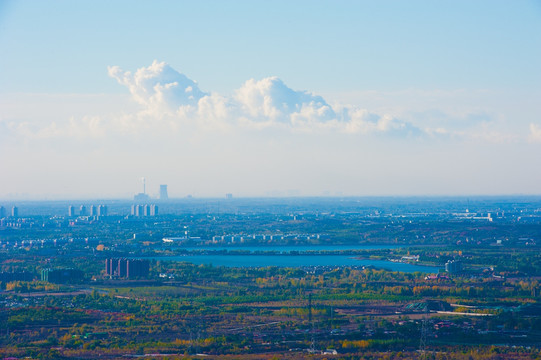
424	332
311	323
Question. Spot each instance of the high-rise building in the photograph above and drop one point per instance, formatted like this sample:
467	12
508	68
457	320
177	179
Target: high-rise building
453	266
82	210
163	192
71	211
93	210
144	210
2	212
127	268
15	211
102	210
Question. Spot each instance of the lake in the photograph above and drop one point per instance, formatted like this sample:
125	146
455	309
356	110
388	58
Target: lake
283	257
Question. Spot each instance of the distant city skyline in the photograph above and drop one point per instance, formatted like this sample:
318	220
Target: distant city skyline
263	99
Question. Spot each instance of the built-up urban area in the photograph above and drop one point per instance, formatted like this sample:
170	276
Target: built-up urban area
257	278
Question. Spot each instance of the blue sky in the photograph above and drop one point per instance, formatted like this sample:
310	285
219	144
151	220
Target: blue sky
351	45
416	96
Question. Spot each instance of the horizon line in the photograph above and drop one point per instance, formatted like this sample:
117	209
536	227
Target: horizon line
267	197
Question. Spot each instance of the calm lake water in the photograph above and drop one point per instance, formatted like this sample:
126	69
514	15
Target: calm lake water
283	257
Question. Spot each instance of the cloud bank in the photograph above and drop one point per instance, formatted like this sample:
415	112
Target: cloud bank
166	101
269	102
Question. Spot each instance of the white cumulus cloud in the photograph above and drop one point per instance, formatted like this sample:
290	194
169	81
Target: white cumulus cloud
158	86
271	99
173	103
264	103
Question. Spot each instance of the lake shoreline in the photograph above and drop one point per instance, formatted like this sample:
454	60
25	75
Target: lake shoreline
294	256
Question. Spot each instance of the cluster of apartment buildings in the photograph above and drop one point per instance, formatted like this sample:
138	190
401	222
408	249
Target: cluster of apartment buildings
453	266
144	210
4	213
93	210
266	237
127	268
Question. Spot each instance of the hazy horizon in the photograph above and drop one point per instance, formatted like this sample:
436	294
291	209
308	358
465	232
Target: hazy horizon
157	200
